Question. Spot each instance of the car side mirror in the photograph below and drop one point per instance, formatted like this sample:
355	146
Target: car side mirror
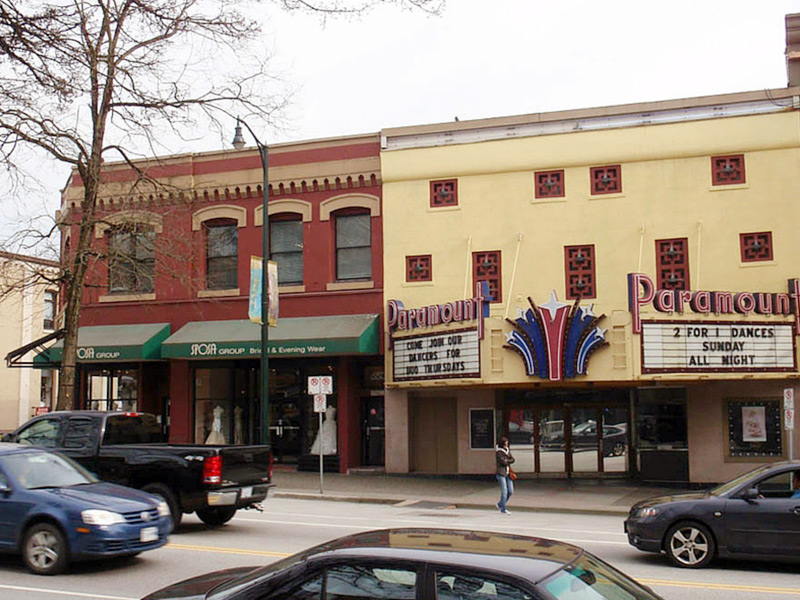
5	490
9	437
750	494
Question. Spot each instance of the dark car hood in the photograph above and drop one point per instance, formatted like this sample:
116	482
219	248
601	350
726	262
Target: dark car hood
106	496
671	498
196	588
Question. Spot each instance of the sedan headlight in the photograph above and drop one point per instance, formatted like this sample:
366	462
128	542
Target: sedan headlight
101	517
163	509
649	511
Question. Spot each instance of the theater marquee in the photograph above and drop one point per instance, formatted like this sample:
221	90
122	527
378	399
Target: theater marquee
677	346
680	346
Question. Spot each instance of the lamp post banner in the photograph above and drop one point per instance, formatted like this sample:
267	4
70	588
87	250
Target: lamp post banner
254	306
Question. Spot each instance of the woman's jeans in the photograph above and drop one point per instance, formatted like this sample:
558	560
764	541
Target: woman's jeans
506	491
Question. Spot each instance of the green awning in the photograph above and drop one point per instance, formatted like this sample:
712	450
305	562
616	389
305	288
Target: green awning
293	337
112	343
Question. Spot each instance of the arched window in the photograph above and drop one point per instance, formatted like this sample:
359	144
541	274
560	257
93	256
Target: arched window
353	245
286	247
222	254
131	258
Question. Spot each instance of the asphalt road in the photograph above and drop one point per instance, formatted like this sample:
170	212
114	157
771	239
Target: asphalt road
289	525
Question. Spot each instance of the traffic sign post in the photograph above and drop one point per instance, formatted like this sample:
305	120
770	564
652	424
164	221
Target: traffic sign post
320	386
788	417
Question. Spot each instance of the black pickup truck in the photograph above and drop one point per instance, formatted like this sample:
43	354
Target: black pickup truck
128	449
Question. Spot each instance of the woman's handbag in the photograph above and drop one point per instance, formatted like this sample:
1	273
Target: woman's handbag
511	474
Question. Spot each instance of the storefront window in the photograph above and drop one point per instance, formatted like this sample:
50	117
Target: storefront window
225	399
212	406
113	389
662	419
754	427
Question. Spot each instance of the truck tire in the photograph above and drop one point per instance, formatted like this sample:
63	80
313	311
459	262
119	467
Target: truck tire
162	491
44	549
214	517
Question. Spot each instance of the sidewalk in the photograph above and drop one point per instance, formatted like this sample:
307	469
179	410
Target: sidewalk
612	497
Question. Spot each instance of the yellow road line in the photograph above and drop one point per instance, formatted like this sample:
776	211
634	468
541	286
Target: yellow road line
721	586
227	550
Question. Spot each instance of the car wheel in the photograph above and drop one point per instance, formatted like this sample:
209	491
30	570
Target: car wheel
44	549
214	517
690	545
163	492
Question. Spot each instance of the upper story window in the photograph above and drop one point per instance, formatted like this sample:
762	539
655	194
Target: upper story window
131	259
222	254
549	184
580	272
756	247
419	268
606	180
727	170
353	247
49	312
444	193
672	264
286	248
486	266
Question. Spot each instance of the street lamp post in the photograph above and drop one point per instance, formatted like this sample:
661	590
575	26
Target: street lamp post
238	143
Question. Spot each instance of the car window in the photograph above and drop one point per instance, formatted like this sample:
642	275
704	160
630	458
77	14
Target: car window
34	470
78	433
589	578
346	582
41	433
779	485
308	590
458	586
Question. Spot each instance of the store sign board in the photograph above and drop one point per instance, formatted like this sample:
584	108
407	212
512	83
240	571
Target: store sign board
642	291
449	355
711	346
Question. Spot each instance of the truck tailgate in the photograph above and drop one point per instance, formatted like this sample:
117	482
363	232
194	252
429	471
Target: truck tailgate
245	465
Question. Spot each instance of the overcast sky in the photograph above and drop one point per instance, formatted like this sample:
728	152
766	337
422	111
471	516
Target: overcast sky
485	58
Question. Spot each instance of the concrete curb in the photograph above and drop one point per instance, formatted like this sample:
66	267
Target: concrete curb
300	495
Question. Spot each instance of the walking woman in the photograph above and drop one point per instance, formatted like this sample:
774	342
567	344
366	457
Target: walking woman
504	461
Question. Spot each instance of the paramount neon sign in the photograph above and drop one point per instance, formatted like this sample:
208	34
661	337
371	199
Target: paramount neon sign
642	291
457	311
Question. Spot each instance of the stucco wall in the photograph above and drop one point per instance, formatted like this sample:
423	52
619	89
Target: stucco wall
708	428
396	413
473	461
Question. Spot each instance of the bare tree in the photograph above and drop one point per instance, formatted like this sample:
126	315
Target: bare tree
88	81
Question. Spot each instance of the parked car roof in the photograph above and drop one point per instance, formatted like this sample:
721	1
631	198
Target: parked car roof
531	558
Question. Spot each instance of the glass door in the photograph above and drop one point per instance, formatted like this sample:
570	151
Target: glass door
551	448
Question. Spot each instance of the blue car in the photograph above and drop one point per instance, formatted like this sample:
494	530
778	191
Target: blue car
52	511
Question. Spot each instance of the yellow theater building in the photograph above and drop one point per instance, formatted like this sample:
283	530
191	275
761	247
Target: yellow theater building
615	289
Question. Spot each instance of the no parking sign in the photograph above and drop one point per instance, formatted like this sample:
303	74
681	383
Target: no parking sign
788	408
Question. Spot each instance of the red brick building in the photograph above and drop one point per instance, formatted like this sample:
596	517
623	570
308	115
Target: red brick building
164	319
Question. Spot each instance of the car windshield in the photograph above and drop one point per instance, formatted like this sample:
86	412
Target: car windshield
734	483
588	578
44	470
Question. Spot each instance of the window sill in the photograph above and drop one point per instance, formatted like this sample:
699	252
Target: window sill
413	284
548	200
729	187
291	289
218	293
350	285
127	297
757	263
433	209
606	196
